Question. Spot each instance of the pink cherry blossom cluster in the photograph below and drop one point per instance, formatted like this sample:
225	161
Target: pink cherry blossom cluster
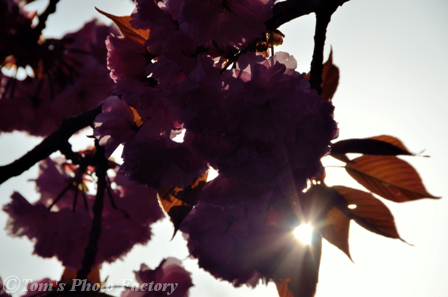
68	75
195	70
2	289
253	119
60	221
189	86
169	272
168	279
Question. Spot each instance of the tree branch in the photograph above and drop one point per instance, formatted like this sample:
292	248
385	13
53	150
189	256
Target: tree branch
291	9
287	11
323	18
51	8
95	232
56	141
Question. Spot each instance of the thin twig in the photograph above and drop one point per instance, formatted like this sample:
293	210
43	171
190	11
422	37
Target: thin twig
84	198
70	185
75	199
109	192
251	47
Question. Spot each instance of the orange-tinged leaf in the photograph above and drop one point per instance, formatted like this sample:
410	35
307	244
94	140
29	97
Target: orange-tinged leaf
175	208
70	274
200	182
177	202
167	198
137	118
389	177
283	289
336	230
274	37
330	78
124	24
369	212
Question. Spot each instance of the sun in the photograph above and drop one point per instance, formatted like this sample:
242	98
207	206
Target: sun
304	233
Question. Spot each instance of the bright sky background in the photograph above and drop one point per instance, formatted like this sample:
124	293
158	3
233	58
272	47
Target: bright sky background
392	59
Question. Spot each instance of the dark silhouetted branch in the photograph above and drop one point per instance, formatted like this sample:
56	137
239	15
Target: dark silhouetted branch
322	20
95	232
51	8
291	9
286	11
56	141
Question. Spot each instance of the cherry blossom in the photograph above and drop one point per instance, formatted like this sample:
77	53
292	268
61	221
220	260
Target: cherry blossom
74	78
127	214
2	289
175	280
226	22
117	124
41	287
220	238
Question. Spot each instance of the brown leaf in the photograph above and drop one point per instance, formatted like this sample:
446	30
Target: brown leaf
298	269
316	203
175	208
274	37
389	177
392	140
366	146
124	24
177	202
137	118
283	289
340	157
330	78
168	198
369	212
69	274
336	230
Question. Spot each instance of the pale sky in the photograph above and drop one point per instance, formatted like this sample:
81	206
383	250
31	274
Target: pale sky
393	65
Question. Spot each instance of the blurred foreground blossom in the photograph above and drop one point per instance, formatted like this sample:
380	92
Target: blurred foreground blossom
168	279
64	77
